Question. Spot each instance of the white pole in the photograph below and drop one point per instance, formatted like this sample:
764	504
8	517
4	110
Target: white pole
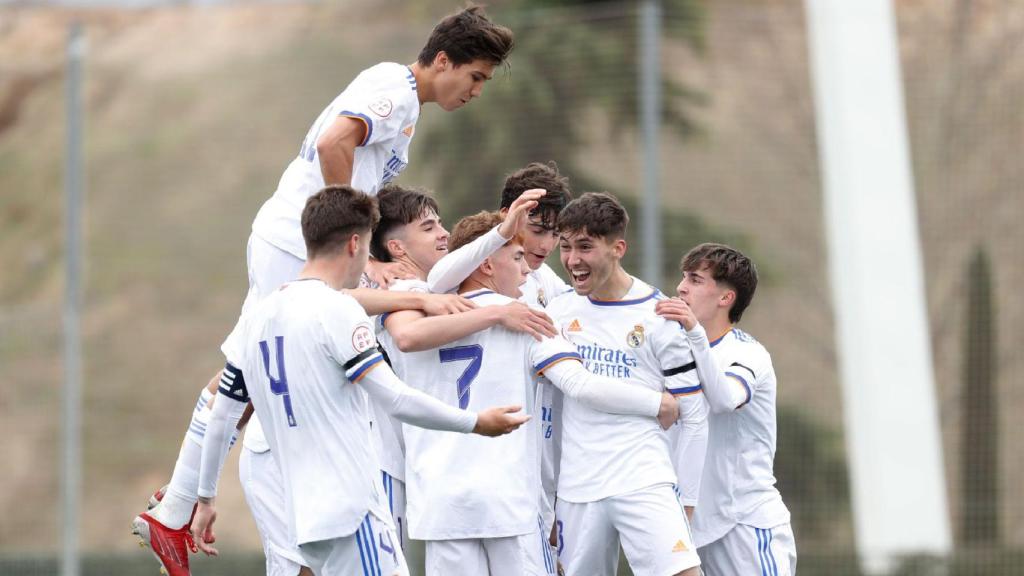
649	52
892	432
71	406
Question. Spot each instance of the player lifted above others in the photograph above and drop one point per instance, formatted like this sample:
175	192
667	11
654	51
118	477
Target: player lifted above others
741	525
477	505
362	138
616	481
310	359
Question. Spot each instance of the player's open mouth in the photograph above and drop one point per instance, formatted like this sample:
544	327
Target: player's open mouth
580	276
442	247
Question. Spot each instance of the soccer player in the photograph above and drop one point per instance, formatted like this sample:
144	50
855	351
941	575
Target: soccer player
410	232
310	358
741	525
361	138
616	480
477	505
548	192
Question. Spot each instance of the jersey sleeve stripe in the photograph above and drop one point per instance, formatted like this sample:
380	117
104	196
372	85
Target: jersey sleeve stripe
366	122
679	369
686	391
741	380
359	358
737	364
541	367
365	368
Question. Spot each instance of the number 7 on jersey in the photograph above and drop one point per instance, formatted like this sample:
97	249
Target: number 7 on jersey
475	355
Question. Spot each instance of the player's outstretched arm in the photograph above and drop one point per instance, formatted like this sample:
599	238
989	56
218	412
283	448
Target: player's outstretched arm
414	333
457	265
383	301
724	392
224	418
414	407
611	395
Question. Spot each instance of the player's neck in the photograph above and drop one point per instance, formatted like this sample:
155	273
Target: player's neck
331	271
616	287
717	327
421	274
473	284
424	83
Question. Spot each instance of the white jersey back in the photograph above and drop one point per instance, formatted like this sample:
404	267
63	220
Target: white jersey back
738	485
388	431
384	98
605	454
304	348
466	486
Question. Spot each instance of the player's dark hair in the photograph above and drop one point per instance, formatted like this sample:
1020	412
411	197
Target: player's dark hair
466	36
398	206
538	175
727	266
596	214
472	227
333	215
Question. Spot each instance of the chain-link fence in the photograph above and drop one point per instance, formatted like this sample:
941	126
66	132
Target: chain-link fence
192	113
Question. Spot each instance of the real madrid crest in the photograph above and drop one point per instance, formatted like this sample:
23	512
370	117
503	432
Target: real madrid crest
541	299
635	338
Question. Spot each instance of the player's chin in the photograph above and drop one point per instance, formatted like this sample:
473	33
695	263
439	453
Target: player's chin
534	261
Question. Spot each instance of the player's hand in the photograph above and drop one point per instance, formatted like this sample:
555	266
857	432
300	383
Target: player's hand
202	528
519	317
385	273
519	212
677	310
668	412
441	304
499	421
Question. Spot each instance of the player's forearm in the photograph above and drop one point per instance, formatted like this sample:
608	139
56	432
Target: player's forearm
412	406
216	442
383	301
723	393
602	393
690	453
435	331
456	266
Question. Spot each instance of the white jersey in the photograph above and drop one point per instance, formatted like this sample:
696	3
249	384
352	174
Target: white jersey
384	98
388	431
738	486
541	286
607	455
462	486
304	348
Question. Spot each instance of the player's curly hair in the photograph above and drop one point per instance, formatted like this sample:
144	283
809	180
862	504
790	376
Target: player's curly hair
472	227
727	266
398	206
466	36
333	215
539	175
595	213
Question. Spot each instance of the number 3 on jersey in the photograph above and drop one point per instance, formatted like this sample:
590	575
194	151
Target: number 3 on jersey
475	355
279	385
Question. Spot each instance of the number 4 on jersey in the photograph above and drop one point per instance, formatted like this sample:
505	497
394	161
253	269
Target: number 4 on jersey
279	385
475	354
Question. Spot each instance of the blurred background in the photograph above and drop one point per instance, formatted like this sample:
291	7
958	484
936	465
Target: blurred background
193	111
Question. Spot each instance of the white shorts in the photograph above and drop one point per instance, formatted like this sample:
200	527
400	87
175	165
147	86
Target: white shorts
372	551
394	495
650	523
263	490
269	267
526	555
749	550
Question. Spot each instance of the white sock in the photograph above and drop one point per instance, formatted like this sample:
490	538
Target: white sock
175	510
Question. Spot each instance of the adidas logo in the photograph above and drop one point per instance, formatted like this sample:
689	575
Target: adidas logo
575	326
679	547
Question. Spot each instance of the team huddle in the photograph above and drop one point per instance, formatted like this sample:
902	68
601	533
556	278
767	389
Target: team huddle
395	381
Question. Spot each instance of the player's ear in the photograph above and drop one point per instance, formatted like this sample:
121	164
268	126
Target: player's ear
395	248
727	299
441	60
487	267
353	245
619	247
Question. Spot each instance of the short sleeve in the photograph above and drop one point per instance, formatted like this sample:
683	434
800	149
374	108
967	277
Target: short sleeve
551	351
382	103
349	337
